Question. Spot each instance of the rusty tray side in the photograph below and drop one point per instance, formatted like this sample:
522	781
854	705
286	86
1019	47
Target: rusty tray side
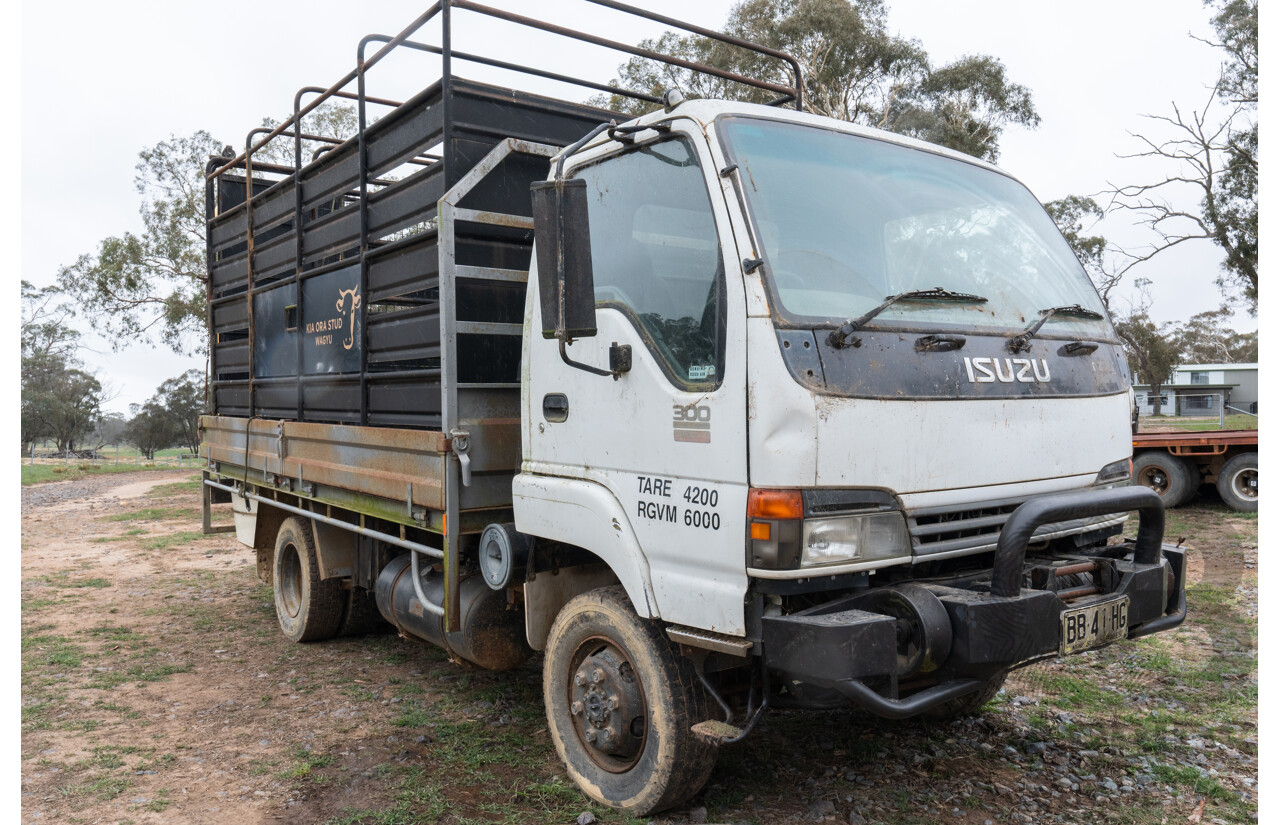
405	466
1202	438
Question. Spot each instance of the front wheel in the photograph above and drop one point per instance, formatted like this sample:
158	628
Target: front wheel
970	703
1238	483
620	703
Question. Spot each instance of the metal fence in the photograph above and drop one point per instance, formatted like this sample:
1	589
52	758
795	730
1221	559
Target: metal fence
1177	407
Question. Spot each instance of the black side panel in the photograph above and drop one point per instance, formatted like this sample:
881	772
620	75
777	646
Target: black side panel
353	336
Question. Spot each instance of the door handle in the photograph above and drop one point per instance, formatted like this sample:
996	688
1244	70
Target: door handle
555	407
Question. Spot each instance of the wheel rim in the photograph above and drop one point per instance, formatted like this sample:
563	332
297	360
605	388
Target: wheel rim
1155	478
607	705
291	581
1244	483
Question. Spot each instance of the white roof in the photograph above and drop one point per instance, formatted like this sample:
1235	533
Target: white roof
1208	367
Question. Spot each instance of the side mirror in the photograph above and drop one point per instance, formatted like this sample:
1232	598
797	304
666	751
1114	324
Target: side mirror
565	283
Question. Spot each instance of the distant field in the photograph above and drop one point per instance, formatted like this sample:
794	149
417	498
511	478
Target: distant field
56	470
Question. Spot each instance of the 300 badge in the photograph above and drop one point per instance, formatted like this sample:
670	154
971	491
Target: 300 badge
691	423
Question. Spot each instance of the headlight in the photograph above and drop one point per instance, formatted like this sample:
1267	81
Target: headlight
1115	471
854	538
793	529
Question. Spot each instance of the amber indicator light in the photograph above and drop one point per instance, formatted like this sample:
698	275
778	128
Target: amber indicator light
774	504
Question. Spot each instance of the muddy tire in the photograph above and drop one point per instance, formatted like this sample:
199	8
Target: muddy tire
970	703
1238	483
1168	475
360	615
308	609
620	703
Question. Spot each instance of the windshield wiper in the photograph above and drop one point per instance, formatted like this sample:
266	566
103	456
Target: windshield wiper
1022	340
844	337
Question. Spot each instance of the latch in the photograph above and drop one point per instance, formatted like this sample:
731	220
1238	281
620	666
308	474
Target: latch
460	440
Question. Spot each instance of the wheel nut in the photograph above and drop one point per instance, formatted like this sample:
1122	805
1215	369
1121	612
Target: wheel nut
590	735
597	676
575	708
613	703
578	680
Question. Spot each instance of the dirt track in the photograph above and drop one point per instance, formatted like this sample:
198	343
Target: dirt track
156	688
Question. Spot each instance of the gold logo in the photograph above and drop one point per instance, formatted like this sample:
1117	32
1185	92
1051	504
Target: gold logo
350	310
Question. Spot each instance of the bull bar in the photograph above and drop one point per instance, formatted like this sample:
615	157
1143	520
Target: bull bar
846	649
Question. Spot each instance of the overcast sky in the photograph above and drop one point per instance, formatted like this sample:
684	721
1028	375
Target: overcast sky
124	75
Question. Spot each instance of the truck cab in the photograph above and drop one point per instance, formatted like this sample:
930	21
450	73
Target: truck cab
729	244
851	359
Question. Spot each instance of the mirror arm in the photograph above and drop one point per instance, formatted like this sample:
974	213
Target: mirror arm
615	373
578	144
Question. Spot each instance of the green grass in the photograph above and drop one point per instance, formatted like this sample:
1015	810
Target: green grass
41	473
418	799
153	514
108	679
172	539
1233	422
175	488
63	579
125	536
305	764
51	651
34	718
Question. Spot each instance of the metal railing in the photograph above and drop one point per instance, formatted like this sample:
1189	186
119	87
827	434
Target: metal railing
292	127
1180	410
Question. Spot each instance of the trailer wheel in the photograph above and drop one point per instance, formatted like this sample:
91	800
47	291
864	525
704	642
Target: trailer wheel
360	614
309	609
971	703
1238	482
620	704
1165	474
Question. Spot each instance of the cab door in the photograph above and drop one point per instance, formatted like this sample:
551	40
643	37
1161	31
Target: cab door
668	438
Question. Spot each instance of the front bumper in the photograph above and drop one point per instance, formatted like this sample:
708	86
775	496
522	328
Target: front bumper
961	633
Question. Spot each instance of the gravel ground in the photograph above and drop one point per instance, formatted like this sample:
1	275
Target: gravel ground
157	688
58	492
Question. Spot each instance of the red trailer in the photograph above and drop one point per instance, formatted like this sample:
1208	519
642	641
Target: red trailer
1176	464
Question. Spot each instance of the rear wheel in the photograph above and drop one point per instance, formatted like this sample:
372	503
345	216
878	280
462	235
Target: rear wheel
309	609
360	614
1166	474
620	704
1238	482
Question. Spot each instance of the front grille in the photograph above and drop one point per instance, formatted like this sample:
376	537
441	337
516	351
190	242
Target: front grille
971	528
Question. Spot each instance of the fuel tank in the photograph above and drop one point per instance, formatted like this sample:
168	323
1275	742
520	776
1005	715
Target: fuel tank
491	634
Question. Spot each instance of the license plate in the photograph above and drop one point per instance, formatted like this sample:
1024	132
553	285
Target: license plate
1095	625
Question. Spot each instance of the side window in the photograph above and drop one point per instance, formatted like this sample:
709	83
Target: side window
655	255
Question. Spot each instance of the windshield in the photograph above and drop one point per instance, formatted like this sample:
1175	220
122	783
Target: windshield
846	221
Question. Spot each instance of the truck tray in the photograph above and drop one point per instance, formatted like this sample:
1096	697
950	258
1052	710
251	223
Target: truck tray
390	473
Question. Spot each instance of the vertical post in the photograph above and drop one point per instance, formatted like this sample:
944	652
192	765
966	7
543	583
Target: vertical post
248	221
210	211
1222	411
206	518
446	241
297	235
362	164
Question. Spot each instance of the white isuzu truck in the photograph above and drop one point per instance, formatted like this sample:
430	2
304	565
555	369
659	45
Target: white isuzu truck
725	408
